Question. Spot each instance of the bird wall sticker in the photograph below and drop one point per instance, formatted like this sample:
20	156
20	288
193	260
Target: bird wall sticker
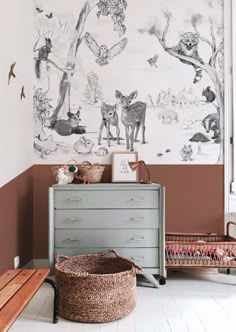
11	72
102	52
49	15
38	10
22	94
153	61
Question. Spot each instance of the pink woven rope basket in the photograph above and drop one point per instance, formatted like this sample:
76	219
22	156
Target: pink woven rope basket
92	172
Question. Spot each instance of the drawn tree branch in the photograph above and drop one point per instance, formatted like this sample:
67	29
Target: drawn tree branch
63	103
114	9
195	21
64	70
209	67
40	35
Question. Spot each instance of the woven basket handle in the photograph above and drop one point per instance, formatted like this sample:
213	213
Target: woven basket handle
135	268
108	251
74	161
86	163
61	258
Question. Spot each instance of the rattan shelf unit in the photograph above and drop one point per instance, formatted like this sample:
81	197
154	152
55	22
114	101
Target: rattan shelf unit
201	250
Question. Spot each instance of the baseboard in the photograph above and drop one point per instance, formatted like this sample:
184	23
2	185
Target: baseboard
37	264
29	265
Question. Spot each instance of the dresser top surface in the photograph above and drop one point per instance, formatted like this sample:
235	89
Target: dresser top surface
107	186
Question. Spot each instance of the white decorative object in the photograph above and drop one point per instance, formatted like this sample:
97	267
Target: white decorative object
64	176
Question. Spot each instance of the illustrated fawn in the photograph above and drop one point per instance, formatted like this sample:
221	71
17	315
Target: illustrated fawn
132	117
109	118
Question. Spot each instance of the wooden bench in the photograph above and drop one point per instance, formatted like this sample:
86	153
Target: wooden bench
17	287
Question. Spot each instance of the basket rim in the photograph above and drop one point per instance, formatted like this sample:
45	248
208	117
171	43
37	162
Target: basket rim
94	275
133	268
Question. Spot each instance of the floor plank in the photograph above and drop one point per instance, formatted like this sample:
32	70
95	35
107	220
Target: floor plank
187	303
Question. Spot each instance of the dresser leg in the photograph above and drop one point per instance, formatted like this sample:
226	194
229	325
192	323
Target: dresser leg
152	280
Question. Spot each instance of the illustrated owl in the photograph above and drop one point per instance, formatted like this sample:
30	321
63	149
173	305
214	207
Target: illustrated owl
102	52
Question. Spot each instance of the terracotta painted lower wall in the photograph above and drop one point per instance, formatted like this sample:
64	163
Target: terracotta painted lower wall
16	220
194	199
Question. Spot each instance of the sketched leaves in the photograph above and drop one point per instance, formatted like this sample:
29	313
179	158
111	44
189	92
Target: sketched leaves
115	9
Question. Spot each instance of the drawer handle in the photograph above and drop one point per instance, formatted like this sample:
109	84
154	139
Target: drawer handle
137	258
136	219
137	200
72	219
74	199
69	239
137	238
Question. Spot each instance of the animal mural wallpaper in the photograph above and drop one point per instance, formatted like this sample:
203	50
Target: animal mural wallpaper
128	75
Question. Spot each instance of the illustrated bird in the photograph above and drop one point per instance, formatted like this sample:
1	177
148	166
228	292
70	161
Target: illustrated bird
38	10
22	95
153	61
11	72
49	15
102	52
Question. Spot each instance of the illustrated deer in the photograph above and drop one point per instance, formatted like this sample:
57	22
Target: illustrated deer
109	118
132	117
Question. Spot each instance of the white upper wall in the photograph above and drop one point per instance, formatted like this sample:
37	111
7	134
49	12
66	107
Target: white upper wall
16	116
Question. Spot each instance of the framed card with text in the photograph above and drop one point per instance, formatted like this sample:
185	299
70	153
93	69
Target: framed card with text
121	171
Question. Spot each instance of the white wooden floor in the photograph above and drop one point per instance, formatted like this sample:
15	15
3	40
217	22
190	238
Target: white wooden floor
188	302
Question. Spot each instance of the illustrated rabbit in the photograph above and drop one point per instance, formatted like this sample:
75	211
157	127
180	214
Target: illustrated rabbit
83	145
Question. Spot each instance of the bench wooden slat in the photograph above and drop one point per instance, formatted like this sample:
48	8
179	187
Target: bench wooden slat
14	285
8	276
18	302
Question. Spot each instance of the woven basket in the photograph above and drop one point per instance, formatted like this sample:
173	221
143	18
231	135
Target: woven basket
97	287
92	172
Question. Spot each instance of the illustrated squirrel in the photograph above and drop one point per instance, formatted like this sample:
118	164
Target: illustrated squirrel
186	152
209	95
43	53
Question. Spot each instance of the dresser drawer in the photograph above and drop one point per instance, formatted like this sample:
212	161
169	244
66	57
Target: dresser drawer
145	257
106	238
139	218
129	199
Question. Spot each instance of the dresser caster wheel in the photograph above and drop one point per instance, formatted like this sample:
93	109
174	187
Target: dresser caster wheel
162	281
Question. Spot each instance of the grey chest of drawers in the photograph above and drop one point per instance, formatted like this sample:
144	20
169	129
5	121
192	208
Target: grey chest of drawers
91	218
